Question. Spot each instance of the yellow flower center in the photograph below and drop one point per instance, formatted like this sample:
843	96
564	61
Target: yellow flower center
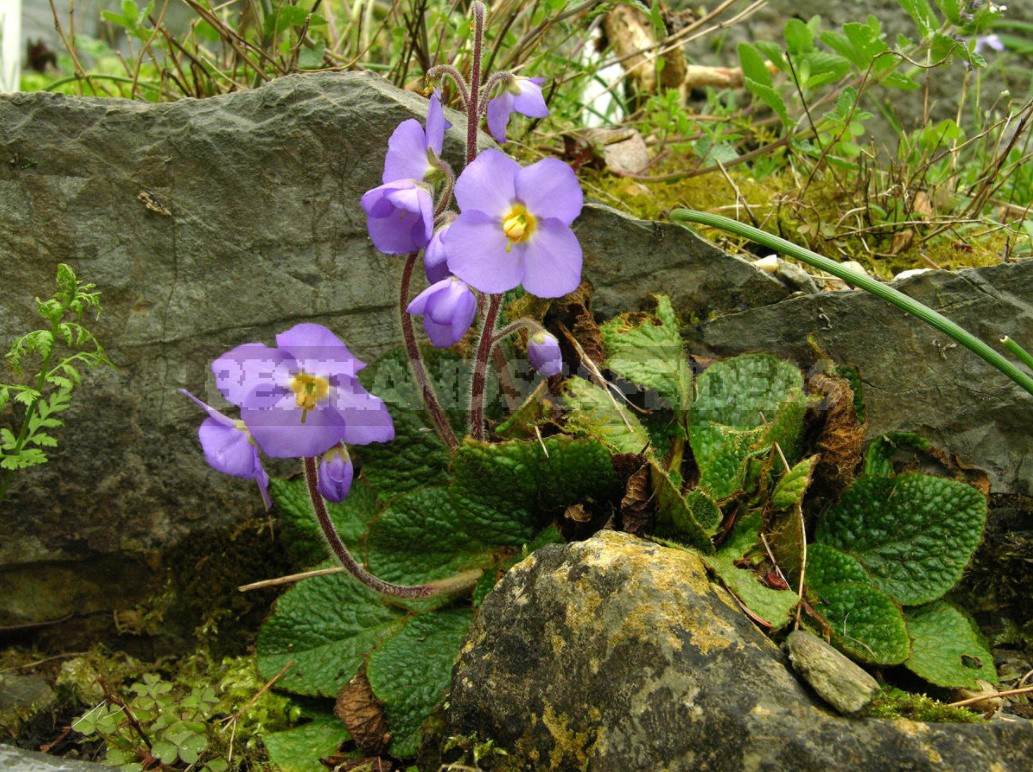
308	390
518	225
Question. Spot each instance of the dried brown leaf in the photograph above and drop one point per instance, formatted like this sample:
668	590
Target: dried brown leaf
636	516
363	715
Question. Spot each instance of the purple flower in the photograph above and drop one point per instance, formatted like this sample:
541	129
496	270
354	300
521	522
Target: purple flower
409	148
399	216
514	226
229	448
989	41
302	398
448	308
334	478
524	96
544	352
435	258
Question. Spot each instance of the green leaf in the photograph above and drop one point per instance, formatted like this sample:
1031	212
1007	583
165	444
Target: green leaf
411	672
722	454
949	650
649	351
792	486
922	15
531	414
300	749
827	566
913	533
865	623
505	491
302	534
419	538
416	458
7	439
758	81
773	606
327	625
691	518
878	459
593	412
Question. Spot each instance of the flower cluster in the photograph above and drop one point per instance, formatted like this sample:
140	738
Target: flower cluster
298	400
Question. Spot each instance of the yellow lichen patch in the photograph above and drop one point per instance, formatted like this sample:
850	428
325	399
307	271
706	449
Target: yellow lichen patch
569	745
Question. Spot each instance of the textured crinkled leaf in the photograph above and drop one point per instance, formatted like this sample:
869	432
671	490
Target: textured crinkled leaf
772	606
878	458
419	537
416	458
523	421
722	454
300	749
948	649
592	412
411	672
745	391
682	517
826	566
791	486
913	533
504	491
865	622
327	625
648	350
301	533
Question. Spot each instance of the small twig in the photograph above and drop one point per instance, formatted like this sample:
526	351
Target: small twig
289	579
254	698
983	697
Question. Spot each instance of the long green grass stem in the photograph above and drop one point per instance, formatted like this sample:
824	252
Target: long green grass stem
1020	353
865	282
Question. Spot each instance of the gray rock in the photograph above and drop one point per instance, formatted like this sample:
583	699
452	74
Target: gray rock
839	681
913	378
24	691
616	653
207	224
17	760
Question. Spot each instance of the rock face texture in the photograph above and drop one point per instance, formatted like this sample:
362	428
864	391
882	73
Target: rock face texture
18	760
207	224
616	653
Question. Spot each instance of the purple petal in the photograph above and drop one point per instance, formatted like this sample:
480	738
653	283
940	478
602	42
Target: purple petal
240	371
436	123
442	305
211	411
263	487
549	188
552	260
228	450
499	109
418	305
544	352
365	417
435	259
476	248
280	432
335	475
406	153
488	184
440	335
400	217
318	351
530	101
465	311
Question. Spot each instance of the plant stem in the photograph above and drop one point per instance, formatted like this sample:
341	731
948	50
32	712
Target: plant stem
439	587
416	364
1020	353
480	367
865	282
472	105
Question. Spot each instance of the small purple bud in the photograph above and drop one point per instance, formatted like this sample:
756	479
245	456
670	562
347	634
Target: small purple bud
399	216
448	308
334	478
435	258
544	352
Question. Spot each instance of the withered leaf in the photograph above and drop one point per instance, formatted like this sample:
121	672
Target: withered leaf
635	515
363	715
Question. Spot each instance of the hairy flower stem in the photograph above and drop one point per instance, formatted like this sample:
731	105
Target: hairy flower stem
865	282
416	363
473	112
440	587
480	367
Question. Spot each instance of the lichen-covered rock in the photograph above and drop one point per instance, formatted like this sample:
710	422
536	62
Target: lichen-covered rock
617	653
17	760
839	681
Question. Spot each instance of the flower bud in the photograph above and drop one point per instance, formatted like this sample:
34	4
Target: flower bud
544	352
435	258
448	308
399	216
334	478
